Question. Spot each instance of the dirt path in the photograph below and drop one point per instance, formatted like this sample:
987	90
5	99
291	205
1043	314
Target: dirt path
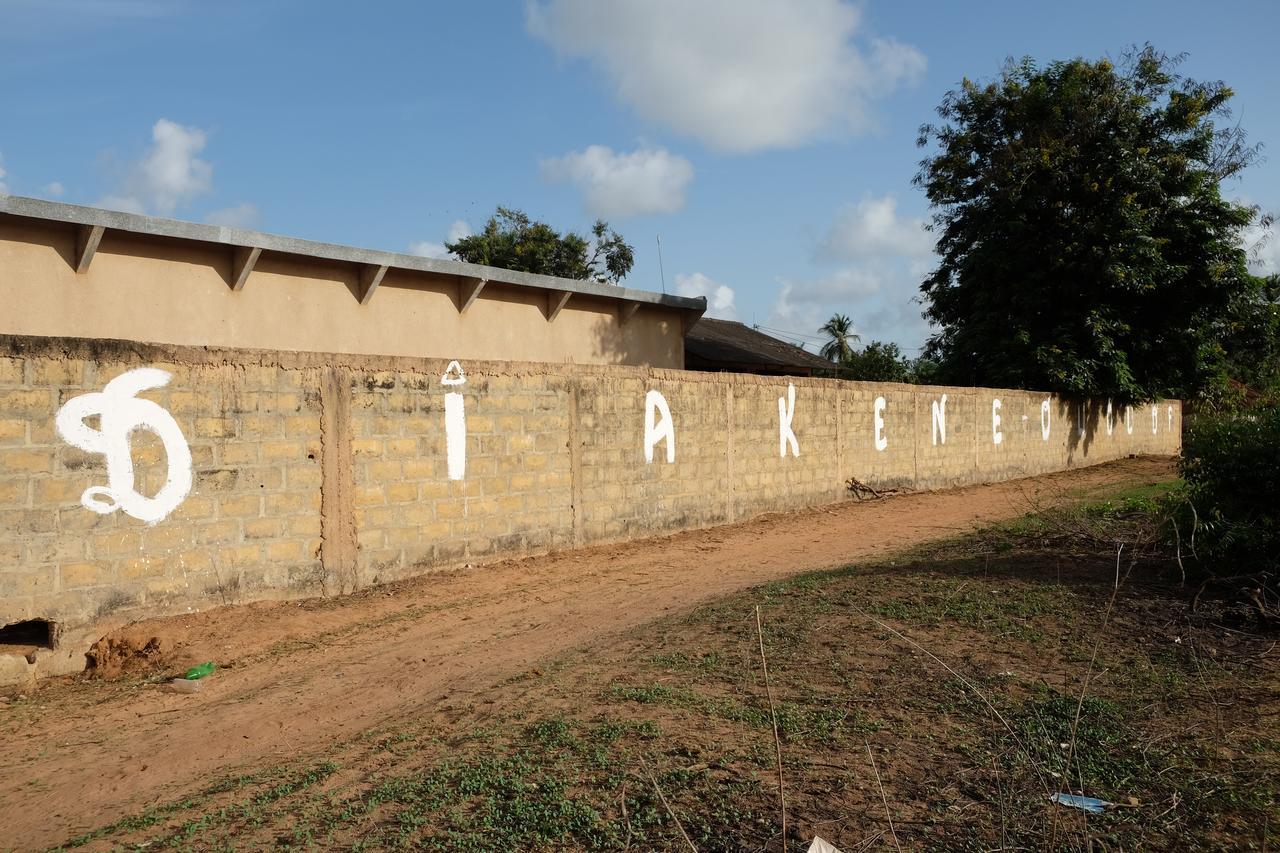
296	677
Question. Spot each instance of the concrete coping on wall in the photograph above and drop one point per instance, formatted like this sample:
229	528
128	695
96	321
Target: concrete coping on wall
247	246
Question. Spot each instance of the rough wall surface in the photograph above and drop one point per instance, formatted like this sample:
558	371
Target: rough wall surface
315	474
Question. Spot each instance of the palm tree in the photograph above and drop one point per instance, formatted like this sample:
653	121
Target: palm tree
840	329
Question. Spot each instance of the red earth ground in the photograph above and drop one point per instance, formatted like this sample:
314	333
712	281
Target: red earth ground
295	677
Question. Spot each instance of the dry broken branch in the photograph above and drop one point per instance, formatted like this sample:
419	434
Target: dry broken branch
862	491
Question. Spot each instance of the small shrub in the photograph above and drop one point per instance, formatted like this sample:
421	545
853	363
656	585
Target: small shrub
1231	465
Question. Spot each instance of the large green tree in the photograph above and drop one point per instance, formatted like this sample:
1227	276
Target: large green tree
513	241
1085	244
877	362
1249	338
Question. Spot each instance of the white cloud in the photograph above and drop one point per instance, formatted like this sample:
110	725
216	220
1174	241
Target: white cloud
884	256
169	174
244	215
54	189
616	185
126	203
719	296
458	229
739	75
795	311
427	249
894	63
845	283
880	299
872	229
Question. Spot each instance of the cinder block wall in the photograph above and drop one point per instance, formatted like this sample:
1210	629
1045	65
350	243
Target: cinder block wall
318	474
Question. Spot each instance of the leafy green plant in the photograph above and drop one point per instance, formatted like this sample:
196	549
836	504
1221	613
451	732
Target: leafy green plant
1231	464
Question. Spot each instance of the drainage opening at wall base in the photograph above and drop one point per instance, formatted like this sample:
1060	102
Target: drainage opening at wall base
27	637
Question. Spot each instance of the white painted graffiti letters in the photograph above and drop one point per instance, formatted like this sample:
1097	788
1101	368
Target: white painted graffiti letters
1044	419
881	441
120	413
939	408
787	411
656	430
455	422
996	435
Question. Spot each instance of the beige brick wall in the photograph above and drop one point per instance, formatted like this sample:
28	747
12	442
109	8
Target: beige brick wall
249	526
516	497
318	474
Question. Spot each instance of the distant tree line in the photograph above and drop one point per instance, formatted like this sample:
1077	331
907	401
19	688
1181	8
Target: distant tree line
876	362
512	240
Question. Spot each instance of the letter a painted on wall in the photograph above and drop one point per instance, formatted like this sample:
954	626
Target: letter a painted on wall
455	422
787	411
657	430
120	413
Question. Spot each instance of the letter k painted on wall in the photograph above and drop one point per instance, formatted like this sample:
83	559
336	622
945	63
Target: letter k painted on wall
787	411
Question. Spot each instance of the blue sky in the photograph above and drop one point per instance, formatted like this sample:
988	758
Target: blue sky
771	145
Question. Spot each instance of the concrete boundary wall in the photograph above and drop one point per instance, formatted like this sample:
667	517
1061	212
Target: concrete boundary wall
140	480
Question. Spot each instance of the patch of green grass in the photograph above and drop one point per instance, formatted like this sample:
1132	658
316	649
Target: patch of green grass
818	721
253	811
554	782
560	783
161	814
1163	675
1104	759
1013	609
653	694
680	661
1115	758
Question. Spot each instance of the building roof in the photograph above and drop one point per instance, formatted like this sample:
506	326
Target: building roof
249	245
726	345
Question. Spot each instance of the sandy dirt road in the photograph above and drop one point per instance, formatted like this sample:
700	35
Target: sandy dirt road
295	677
